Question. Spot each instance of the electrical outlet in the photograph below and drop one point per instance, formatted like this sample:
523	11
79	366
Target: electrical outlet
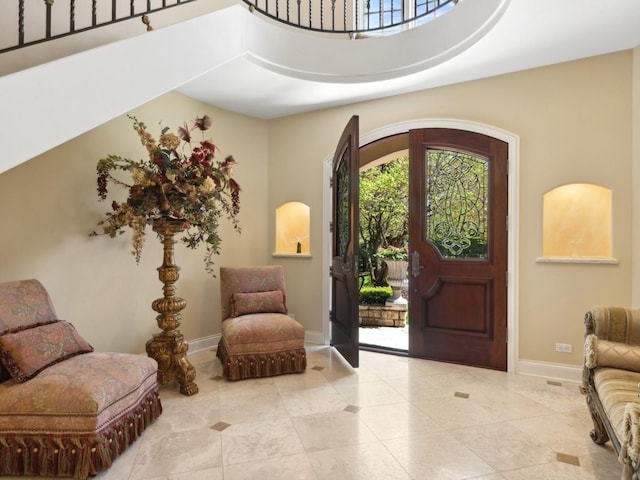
563	347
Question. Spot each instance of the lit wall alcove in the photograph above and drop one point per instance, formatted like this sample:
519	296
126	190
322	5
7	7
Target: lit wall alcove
577	225
293	230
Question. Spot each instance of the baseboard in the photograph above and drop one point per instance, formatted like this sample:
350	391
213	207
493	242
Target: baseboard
552	371
204	343
211	342
314	337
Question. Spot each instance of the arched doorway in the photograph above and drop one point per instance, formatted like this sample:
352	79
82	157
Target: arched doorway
397	130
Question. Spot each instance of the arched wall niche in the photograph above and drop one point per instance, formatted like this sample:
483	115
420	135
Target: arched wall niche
293	229
577	224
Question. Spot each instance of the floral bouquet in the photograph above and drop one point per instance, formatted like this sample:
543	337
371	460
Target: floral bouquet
180	180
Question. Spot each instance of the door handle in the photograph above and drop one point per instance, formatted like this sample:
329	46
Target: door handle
415	264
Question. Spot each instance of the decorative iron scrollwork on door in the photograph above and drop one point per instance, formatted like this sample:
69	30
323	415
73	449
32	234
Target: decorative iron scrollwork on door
343	221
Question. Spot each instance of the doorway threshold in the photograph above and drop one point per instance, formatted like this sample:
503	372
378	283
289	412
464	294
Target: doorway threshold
393	340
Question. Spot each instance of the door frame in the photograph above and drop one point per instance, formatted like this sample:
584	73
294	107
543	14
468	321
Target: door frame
513	142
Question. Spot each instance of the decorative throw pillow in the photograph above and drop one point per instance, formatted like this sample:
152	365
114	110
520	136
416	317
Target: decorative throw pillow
258	302
27	352
617	355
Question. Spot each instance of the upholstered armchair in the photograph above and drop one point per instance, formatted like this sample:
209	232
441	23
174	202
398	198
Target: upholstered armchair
611	378
65	410
258	337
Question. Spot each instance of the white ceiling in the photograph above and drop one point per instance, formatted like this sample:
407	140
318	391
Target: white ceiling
281	71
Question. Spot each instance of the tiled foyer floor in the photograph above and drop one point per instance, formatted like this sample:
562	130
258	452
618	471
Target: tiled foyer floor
393	418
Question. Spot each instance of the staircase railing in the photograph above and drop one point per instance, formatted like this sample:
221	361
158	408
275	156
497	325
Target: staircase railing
29	22
354	17
38	21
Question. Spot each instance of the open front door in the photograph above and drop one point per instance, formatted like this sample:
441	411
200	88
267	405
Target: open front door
344	265
458	247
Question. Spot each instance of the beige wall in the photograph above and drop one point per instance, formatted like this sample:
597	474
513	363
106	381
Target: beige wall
52	206
574	125
573	121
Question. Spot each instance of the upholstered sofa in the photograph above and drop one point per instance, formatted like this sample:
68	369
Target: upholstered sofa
65	410
259	338
611	379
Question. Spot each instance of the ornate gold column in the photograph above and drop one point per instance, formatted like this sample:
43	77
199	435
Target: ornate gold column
168	348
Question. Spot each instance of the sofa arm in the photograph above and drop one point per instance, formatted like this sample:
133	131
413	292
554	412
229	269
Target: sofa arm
603	353
615	324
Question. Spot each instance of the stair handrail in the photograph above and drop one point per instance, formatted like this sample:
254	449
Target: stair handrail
25	37
353	14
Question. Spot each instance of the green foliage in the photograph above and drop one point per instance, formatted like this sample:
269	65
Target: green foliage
392	253
374	295
384	213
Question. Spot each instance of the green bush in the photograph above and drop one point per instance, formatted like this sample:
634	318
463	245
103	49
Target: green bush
374	295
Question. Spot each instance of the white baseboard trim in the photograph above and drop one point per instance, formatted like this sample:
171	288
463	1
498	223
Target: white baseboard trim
204	343
314	337
211	342
552	371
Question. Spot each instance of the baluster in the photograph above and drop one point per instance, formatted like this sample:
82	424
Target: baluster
344	6
49	4
21	22
321	14
132	8
94	12
333	15
72	16
114	15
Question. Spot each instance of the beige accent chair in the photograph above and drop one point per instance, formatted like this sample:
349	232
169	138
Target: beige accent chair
259	338
611	379
65	410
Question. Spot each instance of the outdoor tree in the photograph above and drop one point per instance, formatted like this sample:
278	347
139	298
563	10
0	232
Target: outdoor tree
384	213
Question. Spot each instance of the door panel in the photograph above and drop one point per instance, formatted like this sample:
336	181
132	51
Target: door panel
344	267
458	244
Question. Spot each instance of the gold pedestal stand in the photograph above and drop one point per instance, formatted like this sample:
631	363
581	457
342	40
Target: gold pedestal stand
169	348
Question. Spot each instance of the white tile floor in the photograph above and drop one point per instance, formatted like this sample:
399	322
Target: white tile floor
393	418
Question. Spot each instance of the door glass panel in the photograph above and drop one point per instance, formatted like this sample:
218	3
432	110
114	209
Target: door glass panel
342	206
457	199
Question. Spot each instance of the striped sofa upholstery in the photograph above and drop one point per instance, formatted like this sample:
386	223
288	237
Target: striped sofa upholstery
611	380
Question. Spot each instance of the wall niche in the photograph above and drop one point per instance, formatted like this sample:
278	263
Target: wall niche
293	230
577	224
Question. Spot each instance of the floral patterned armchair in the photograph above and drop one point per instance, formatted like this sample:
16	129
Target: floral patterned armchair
65	410
258	338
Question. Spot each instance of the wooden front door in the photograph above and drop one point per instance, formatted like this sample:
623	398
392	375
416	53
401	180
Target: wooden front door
458	247
344	265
